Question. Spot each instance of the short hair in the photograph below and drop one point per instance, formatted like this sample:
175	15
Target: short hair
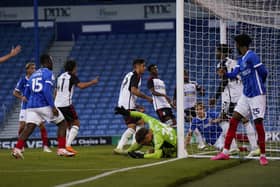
186	72
224	48
29	64
45	58
151	66
243	40
70	65
138	61
141	134
199	104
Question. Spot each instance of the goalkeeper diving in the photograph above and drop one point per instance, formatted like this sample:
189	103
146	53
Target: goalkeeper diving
160	136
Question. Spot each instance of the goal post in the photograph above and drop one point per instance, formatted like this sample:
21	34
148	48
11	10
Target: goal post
180	77
201	25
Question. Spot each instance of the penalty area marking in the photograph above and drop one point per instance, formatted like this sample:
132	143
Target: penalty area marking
113	172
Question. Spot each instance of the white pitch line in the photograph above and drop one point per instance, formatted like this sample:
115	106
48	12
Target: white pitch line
53	170
113	172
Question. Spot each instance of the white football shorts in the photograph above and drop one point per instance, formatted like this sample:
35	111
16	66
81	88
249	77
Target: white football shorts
254	106
42	114
22	115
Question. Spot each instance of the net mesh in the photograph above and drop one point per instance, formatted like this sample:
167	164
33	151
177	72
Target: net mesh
260	19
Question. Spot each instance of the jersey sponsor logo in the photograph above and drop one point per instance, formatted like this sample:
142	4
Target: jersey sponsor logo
246	72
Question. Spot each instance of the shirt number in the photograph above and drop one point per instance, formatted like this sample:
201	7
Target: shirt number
37	85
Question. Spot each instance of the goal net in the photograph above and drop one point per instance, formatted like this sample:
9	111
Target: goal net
209	23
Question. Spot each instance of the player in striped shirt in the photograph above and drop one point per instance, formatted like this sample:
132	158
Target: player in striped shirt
162	103
253	100
129	92
191	88
18	92
66	83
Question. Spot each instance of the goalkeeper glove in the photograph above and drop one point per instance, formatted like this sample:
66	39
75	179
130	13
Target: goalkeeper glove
122	111
136	155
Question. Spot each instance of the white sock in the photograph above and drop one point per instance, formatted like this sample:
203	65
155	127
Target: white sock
226	151
251	135
219	144
224	125
233	144
67	133
72	135
125	136
199	138
133	138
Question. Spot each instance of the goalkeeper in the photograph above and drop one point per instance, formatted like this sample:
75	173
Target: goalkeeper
159	135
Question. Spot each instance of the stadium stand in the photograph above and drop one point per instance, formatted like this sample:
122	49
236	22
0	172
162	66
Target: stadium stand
10	71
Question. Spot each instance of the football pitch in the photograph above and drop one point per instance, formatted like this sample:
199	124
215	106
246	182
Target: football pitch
97	166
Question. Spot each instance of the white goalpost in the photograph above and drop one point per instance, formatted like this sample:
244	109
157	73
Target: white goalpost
201	25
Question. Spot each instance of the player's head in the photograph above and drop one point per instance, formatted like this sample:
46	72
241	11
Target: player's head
46	61
186	75
30	67
242	41
70	66
139	65
199	109
223	51
144	136
153	69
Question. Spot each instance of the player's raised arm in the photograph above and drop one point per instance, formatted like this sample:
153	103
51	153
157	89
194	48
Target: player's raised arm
83	85
13	52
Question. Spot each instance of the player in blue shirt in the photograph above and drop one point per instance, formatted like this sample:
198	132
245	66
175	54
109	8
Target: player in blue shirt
206	124
253	101
30	68
40	107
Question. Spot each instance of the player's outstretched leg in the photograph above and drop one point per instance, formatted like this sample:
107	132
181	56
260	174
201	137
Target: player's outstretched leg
261	140
44	137
255	151
123	141
61	138
72	135
17	151
224	155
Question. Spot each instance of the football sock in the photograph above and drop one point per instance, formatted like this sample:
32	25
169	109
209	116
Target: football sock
61	142
133	138
231	132
261	136
199	138
251	135
125	136
72	135
20	144
44	135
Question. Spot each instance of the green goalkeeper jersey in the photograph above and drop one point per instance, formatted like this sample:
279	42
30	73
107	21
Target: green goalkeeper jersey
164	137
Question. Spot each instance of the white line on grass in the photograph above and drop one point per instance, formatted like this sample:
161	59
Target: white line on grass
113	172
54	170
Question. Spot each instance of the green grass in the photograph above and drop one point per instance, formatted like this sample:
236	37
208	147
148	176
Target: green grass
249	174
47	169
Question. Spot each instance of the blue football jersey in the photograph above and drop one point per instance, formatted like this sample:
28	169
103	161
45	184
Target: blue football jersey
36	88
210	131
253	74
20	87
